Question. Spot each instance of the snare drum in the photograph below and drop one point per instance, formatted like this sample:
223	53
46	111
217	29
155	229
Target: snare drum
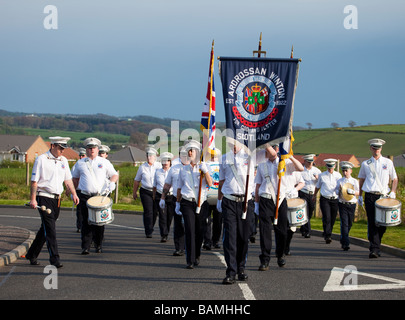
297	212
387	212
100	210
212	192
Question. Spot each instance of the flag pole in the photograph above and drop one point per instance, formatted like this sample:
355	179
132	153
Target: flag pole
278	169
204	149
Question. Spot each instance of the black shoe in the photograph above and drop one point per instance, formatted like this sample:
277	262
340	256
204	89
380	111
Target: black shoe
281	261
252	239
328	240
85	251
33	262
264	267
164	239
307	236
149	236
190	266
197	262
242	276
98	249
373	255
347	248
58	265
206	247
178	253
228	280
217	246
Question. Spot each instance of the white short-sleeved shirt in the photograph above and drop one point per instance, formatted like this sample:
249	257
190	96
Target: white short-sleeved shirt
189	182
272	168
102	168
172	177
50	173
340	184
309	179
160	178
327	183
241	161
384	169
291	181
146	174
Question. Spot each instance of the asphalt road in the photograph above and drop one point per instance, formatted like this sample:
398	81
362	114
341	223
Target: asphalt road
133	267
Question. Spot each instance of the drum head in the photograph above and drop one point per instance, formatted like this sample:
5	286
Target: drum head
99	201
387	202
345	195
295	202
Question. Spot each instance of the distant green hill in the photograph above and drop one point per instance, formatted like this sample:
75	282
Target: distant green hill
350	140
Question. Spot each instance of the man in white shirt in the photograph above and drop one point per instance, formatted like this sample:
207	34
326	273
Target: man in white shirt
348	188
374	177
329	203
49	172
266	199
93	176
145	178
233	171
169	196
310	176
187	201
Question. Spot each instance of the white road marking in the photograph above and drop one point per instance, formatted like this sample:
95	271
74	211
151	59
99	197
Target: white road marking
337	275
247	293
7	276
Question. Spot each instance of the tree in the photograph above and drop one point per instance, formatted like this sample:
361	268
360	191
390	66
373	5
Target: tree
334	125
309	124
352	123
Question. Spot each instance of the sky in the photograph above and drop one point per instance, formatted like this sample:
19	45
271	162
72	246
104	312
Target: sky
132	57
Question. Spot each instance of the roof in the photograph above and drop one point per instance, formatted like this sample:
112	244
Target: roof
399	161
128	154
20	143
322	156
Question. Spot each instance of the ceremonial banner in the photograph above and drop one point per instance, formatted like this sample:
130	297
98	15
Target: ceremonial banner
259	98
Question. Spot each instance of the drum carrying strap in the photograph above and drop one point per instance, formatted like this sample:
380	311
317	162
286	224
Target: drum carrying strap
93	176
237	177
192	183
375	176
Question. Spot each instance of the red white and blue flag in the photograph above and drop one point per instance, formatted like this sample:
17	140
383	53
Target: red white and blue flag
208	113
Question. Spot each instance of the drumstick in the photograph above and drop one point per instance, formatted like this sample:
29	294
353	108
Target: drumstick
43	208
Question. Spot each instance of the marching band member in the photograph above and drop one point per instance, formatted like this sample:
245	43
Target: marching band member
310	176
294	183
233	171
348	188
94	176
266	192
49	172
103	151
169	199
187	200
144	177
165	215
374	177
329	200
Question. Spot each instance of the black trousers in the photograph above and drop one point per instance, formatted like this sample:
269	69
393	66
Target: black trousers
47	231
178	229
375	233
89	231
310	199
193	228
149	210
267	210
329	210
346	213
165	215
212	225
236	236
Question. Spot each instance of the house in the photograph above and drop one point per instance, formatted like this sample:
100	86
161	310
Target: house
21	148
128	154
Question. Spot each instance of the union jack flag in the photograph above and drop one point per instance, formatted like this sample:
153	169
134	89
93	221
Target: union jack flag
208	113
